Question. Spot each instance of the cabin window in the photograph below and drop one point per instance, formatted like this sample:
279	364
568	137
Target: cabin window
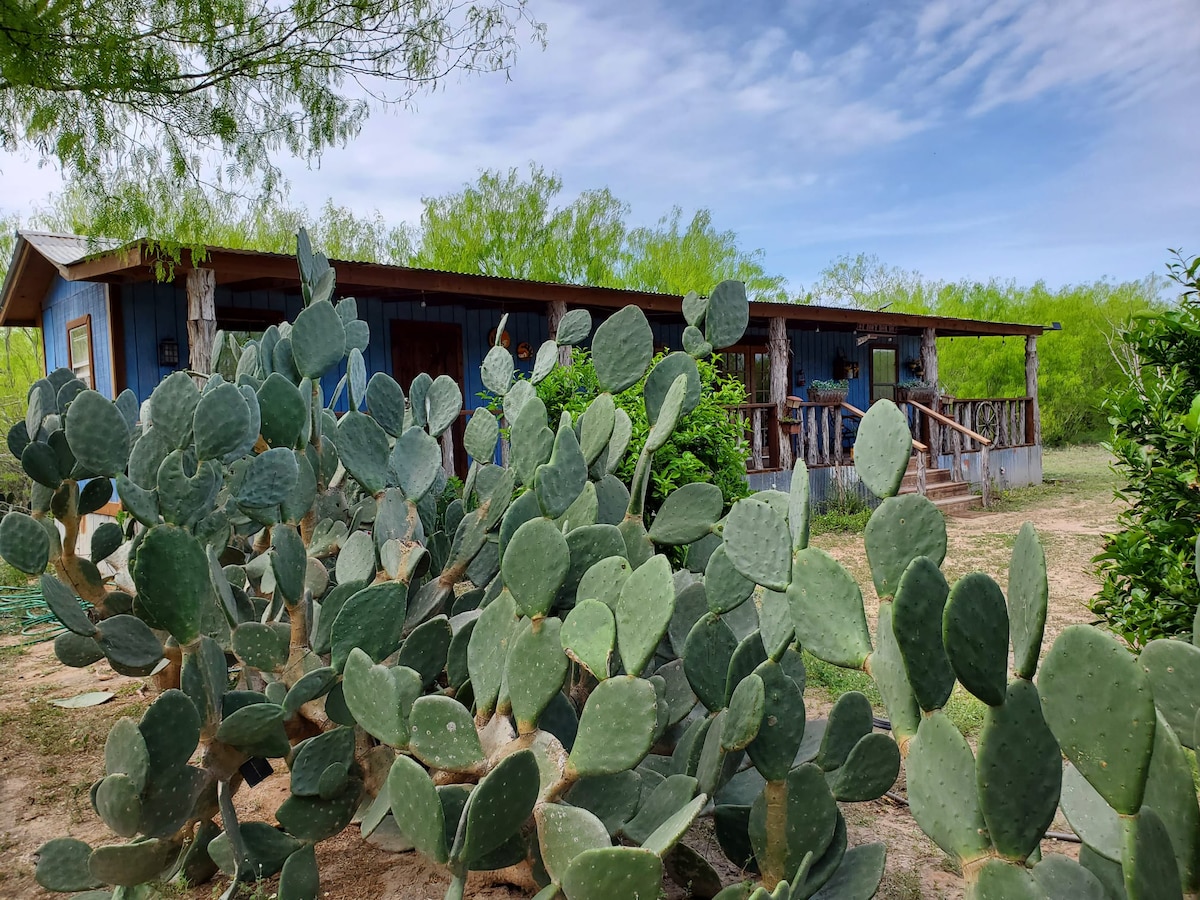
79	349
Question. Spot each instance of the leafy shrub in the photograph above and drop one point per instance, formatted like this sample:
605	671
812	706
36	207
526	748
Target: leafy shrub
707	445
1150	587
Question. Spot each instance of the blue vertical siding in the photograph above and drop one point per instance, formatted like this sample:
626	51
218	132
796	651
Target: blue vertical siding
68	300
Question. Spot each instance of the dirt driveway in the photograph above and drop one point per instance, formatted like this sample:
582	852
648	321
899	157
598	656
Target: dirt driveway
49	756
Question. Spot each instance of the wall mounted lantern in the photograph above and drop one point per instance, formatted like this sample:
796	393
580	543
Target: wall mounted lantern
168	353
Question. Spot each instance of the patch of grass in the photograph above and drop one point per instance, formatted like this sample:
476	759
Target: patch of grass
835	681
962	709
839	522
900	884
53	731
847	512
10	577
1082	472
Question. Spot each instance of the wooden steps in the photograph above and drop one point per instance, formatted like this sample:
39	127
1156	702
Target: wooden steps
951	497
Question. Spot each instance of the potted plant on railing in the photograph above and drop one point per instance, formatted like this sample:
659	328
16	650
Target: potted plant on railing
917	391
829	393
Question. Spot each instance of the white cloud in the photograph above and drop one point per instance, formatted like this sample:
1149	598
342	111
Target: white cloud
800	129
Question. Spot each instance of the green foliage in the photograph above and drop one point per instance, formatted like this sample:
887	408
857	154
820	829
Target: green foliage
1150	585
1079	366
706	446
84	85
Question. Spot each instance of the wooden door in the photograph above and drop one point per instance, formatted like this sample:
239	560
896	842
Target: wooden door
885	371
435	348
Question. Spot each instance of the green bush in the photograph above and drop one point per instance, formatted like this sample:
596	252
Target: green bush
707	446
1150	587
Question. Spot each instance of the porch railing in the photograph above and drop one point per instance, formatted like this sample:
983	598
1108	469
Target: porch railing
1004	421
760	425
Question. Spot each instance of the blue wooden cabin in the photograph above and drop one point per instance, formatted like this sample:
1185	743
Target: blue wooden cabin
104	312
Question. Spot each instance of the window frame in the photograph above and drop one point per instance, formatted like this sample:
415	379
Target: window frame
84	321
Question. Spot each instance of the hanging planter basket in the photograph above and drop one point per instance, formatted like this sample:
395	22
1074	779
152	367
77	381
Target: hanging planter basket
827	397
922	395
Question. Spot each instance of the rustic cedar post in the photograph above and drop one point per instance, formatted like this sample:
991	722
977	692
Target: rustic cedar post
448	450
1033	421
202	318
558	309
929	365
780	352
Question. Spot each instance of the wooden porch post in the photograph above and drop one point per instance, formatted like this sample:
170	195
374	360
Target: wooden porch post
780	352
929	364
202	318
1033	421
558	309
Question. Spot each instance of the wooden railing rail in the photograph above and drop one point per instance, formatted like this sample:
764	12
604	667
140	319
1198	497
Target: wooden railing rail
956	433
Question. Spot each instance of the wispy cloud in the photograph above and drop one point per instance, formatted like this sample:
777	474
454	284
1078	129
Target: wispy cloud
960	137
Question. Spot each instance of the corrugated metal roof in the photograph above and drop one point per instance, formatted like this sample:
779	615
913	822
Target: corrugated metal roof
64	249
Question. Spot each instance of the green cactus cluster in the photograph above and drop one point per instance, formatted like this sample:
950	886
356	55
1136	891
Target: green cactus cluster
521	680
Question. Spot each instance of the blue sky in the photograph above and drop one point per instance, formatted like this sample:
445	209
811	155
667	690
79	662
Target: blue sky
1047	139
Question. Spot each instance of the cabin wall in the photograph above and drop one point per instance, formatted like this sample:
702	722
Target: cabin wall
65	302
155	311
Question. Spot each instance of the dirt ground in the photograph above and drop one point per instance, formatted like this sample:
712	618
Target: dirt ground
50	756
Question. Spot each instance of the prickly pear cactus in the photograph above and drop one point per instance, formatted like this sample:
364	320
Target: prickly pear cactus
520	680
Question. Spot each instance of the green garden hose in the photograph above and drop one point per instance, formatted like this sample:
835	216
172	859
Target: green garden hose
26	606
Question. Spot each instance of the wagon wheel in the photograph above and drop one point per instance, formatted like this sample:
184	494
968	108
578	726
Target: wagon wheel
987	420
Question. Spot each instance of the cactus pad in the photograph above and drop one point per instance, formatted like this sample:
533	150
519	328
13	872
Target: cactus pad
1097	701
810	814
663	376
417	808
589	634
900	530
535	565
318	339
869	771
616	727
687	515
1173	670
559	482
442	735
380	698
535	670
757	542
745	714
917	624
942	790
372	620
1061	876
850	720
726	314
564	832
1147	860
622	348
1028	596
500	804
1019	772
883	448
24	543
975	634
62	865
774	748
827	609
644	611
610	872
725	587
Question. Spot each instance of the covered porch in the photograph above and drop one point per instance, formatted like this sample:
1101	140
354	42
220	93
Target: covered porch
960	444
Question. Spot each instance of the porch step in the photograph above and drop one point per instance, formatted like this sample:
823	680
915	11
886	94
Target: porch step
962	504
932	477
951	497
